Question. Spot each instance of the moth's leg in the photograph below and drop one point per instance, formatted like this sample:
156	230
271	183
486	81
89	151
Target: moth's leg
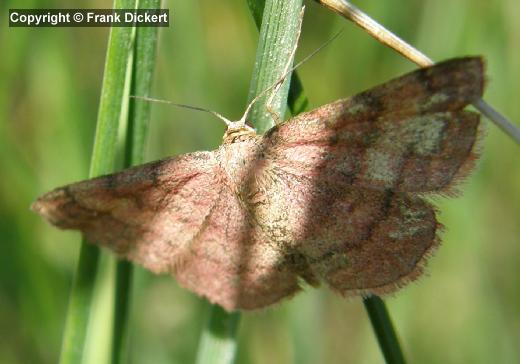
269	106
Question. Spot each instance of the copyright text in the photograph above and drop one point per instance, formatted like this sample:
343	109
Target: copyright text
89	17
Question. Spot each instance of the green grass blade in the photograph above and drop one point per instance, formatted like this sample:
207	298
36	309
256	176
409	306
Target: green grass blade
280	21
138	120
102	162
111	103
277	37
73	343
144	64
375	306
218	343
123	288
384	330
297	101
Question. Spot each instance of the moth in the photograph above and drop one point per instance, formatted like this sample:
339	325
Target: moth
333	195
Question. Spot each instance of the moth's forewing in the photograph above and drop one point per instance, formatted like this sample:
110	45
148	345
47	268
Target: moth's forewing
147	214
350	173
180	216
409	134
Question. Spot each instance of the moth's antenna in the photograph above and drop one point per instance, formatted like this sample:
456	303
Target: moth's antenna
313	53
241	123
279	82
214	113
386	37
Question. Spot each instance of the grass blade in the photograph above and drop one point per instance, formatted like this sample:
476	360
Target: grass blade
144	64
384	330
297	101
280	22
218	343
375	306
73	342
138	118
102	162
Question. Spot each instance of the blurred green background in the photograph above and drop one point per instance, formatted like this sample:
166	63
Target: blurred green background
467	309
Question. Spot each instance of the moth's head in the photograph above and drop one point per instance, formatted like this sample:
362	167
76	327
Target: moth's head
237	131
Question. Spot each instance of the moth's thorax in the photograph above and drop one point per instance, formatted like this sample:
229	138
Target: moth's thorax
237	155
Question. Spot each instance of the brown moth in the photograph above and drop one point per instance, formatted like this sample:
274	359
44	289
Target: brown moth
332	195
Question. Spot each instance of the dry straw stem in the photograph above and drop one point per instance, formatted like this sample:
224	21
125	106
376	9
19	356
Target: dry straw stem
386	37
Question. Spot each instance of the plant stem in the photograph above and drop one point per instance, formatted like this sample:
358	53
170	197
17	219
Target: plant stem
218	342
73	342
144	64
122	293
102	162
384	330
375	306
297	101
280	22
138	118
